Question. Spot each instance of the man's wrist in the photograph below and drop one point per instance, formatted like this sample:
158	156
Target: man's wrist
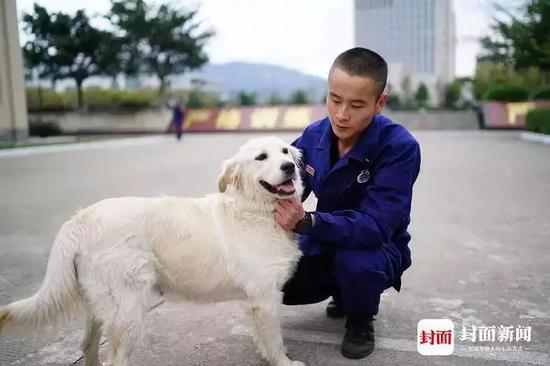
305	225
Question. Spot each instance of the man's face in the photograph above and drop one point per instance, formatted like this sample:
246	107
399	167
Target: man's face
352	101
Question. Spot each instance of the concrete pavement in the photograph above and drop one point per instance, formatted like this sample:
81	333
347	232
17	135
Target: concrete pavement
480	250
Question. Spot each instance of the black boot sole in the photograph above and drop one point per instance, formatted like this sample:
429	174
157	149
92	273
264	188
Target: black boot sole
355	356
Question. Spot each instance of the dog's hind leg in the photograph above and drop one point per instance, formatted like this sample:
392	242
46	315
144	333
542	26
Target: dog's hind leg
122	296
90	343
124	333
120	353
268	337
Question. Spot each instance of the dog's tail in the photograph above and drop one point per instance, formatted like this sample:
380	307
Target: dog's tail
58	296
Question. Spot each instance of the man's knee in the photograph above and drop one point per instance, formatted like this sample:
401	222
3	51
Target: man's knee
371	266
312	281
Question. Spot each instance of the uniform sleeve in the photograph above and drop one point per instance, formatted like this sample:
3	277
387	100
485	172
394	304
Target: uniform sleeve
384	206
298	143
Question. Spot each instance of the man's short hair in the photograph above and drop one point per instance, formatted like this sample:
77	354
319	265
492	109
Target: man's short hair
361	61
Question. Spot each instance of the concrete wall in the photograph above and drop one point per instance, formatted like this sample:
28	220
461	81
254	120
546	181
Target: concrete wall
158	121
13	108
71	123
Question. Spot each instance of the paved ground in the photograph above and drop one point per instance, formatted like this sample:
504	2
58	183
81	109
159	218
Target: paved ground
480	250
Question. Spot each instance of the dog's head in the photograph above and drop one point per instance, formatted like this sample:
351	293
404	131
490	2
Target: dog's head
264	167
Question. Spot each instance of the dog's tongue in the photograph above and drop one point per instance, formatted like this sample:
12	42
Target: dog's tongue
285	187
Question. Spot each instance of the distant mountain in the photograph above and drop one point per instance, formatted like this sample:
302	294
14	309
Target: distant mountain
263	79
226	78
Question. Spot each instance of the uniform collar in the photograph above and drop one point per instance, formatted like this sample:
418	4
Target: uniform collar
366	146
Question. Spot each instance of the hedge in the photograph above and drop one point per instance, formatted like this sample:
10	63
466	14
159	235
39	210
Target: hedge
542	93
538	120
507	93
95	99
47	100
44	128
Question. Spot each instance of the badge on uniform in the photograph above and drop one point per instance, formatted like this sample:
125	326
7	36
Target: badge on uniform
364	176
309	170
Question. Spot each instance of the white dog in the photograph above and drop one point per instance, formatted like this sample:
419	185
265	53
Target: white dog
121	257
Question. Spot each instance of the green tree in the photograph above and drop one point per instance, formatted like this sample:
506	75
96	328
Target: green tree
393	101
163	41
452	95
488	74
246	99
195	99
130	20
275	99
522	42
35	52
62	46
298	97
421	96
110	57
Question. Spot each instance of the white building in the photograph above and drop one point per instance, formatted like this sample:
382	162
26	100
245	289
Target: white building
417	39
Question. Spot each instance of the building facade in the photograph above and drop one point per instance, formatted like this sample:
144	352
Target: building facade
13	107
417	39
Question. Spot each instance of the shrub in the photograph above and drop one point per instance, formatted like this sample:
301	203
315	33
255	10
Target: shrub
507	93
538	120
97	99
393	101
542	93
44	128
47	100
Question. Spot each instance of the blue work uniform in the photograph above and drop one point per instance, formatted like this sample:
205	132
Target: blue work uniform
358	246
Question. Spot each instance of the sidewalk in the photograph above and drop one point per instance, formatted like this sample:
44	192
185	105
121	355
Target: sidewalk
480	250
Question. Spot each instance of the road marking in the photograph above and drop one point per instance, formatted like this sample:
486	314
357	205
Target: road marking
115	143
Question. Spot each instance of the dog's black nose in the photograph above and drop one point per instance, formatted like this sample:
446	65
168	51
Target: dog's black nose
288	168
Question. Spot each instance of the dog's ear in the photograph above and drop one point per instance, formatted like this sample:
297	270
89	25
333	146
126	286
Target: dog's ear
296	155
230	175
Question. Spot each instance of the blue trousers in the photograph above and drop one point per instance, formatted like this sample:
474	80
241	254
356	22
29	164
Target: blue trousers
356	277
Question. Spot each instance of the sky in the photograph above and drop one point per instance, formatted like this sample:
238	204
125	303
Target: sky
300	34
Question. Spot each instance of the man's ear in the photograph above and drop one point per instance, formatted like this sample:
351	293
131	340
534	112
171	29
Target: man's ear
381	102
230	175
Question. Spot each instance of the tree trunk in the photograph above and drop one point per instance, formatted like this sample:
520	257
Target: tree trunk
114	83
79	94
162	85
40	97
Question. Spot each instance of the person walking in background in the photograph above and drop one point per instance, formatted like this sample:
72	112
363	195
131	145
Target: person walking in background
178	116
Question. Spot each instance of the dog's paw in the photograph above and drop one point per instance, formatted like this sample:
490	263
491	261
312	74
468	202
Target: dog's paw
290	363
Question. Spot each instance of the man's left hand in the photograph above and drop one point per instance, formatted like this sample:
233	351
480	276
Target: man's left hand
288	212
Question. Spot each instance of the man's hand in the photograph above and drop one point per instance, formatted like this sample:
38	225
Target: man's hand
288	212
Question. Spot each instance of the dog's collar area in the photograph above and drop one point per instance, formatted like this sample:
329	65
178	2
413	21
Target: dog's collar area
280	191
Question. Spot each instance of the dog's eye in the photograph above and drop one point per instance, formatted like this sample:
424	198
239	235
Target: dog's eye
261	157
285	150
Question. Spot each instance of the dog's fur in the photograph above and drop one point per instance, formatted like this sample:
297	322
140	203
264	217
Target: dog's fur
121	257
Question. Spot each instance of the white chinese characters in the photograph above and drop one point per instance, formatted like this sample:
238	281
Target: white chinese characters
493	333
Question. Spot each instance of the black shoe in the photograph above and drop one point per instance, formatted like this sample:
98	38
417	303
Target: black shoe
335	309
359	339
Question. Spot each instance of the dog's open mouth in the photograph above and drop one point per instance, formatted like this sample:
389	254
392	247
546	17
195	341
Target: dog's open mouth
286	188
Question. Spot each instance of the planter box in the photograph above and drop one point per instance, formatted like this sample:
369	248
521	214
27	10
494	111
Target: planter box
509	115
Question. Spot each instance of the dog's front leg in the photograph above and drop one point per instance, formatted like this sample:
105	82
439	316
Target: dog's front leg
268	337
